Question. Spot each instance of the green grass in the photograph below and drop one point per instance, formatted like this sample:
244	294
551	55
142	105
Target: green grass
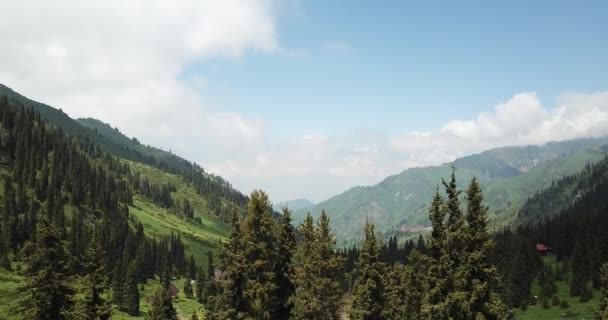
577	309
9	282
185	307
198	238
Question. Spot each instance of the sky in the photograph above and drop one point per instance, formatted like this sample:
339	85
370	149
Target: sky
305	99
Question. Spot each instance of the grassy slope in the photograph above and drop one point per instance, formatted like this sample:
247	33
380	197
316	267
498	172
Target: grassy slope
157	221
9	283
198	239
577	310
185	307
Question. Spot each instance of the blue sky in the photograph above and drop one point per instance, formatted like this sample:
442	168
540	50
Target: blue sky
305	99
396	65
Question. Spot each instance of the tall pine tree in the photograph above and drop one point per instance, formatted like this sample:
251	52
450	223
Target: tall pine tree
368	299
46	293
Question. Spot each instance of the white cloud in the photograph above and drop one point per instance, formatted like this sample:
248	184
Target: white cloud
120	61
521	120
318	166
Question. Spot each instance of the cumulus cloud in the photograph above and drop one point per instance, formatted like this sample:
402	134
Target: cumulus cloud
123	62
318	166
120	61
520	121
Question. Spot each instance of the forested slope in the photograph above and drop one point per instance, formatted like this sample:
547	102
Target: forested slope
93	208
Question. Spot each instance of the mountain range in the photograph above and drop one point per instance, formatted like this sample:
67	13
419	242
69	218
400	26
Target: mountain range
509	176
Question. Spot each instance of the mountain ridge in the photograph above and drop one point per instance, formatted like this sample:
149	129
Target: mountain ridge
508	174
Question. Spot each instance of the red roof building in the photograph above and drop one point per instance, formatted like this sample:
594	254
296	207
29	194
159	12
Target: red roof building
544	249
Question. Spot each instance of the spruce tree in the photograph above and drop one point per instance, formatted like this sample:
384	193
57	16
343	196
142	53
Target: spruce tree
259	246
95	306
317	272
416	282
602	310
200	284
46	293
284	268
435	306
368	299
581	264
230	301
161	306
482	278
188	288
131	303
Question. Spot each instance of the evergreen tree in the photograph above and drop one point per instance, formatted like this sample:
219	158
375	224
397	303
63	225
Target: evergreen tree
161	306
191	267
439	269
188	288
259	246
482	278
230	302
602	310
368	299
94	305
200	284
131	305
46	293
581	264
317	272
415	281
284	268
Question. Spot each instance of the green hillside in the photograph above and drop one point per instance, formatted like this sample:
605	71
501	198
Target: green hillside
509	176
161	156
54	170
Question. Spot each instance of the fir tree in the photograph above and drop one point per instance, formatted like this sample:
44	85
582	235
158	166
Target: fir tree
602	310
581	264
46	293
230	302
161	306
416	282
259	241
284	268
200	284
131	305
188	288
317	273
368	297
94	305
482	278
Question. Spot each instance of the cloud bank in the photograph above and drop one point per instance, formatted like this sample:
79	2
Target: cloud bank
123	62
318	166
120	61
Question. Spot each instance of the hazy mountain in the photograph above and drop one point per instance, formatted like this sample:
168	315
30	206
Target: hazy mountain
294	205
509	176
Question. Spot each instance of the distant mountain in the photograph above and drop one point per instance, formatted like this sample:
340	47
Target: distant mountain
567	192
509	176
294	205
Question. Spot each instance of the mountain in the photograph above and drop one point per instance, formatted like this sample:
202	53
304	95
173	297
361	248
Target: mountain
294	205
112	141
105	130
566	193
146	204
509	176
